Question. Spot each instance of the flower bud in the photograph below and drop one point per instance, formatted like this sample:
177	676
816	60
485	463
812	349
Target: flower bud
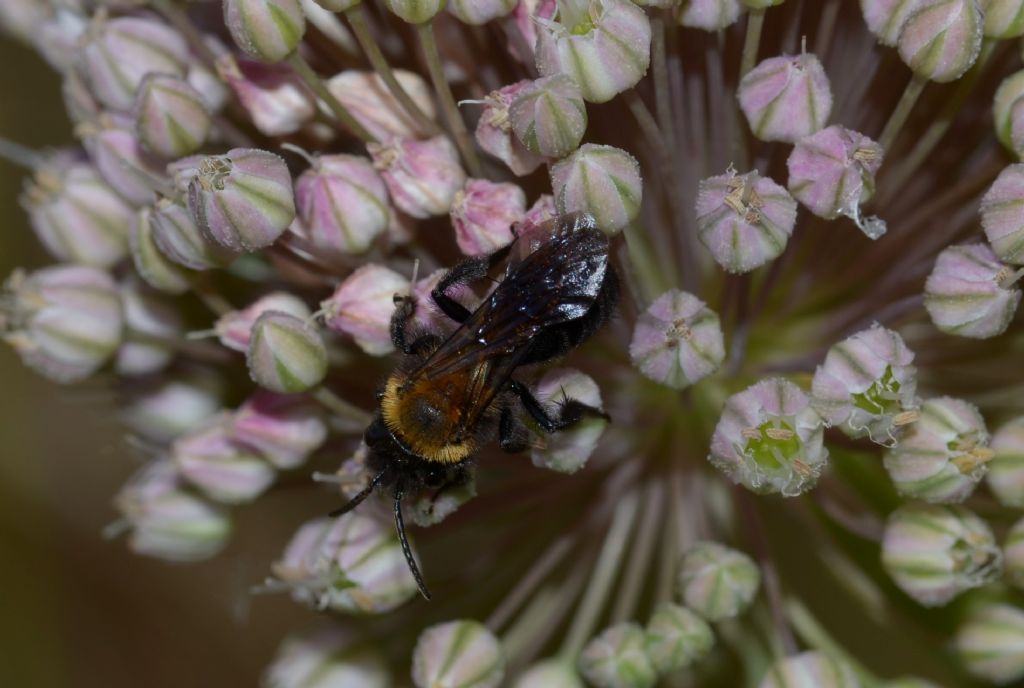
1006	469
371	103
769	439
478	12
152	325
212	90
968	293
617	658
494	131
1003	18
483	213
130	170
601	181
75	214
525	15
1008	112
567	451
167	521
234	328
156	269
324	659
678	340
942	456
64	321
604	45
867	385
422	176
550	673
242	200
716	581
179	239
541	211
162	409
457	654
343	203
934	553
119	52
79	101
1013	555
549	116
415	11
265	29
362	307
222	467
886	18
276	100
942	39
833	172
744	220
285	354
676	637
171	119
808	669
20	19
352	563
1001	216
709	15
991	643
284	429
786	98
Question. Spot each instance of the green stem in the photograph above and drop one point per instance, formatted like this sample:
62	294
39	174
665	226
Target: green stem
646	272
638	567
356	16
316	84
902	112
451	111
539	570
815	635
338	406
752	41
210	297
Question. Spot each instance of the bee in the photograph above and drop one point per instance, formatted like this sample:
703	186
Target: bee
452	395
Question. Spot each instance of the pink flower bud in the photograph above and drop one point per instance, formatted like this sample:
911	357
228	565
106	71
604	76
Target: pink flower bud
131	171
568	450
1006	469
786	98
483	213
167	521
285	354
1008	112
744	220
549	116
541	211
942	39
327	657
422	176
156	269
769	439
604	45
276	100
833	172
362	307
967	293
415	11
367	98
59	38
710	15
242	200
167	407
867	385
285	429
79	101
234	328
601	181
1001	215
20	19
265	29
171	119
886	18
525	16
942	456
119	52
223	468
1003	18
479	12
149	317
343	203
64	321
180	240
494	131
75	214
678	340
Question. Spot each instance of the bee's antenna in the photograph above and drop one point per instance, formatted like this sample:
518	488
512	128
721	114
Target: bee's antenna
400	526
360	496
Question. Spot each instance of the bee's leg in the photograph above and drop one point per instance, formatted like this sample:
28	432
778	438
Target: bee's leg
511	434
571	412
405	307
468	270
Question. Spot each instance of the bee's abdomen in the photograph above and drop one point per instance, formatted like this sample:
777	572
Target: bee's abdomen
424	420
